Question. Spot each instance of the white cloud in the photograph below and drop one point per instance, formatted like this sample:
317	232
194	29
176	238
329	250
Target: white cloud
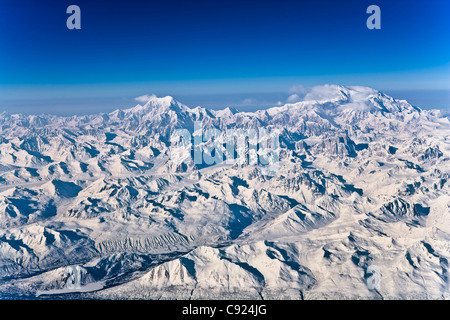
145	98
293	98
298	93
249	101
323	92
299	89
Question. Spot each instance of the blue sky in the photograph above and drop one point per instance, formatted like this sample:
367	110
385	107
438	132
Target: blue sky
213	53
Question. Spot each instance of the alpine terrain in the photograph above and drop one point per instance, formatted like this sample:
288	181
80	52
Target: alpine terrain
342	195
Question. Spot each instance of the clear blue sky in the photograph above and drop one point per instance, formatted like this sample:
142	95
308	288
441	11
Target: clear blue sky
215	52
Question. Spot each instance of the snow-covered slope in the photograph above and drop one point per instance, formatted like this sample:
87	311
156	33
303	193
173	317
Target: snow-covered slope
116	204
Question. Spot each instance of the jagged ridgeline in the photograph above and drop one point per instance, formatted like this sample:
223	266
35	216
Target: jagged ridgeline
304	200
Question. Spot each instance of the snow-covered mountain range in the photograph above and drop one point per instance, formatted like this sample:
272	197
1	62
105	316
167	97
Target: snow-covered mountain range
354	204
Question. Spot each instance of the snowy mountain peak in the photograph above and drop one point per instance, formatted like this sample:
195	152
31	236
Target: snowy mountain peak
327	93
227	112
332	101
157	104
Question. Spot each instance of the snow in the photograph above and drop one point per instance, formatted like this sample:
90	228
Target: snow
106	192
87	288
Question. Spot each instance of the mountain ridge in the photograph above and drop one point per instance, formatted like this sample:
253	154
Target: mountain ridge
165	103
352	180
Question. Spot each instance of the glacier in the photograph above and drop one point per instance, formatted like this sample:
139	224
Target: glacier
112	206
